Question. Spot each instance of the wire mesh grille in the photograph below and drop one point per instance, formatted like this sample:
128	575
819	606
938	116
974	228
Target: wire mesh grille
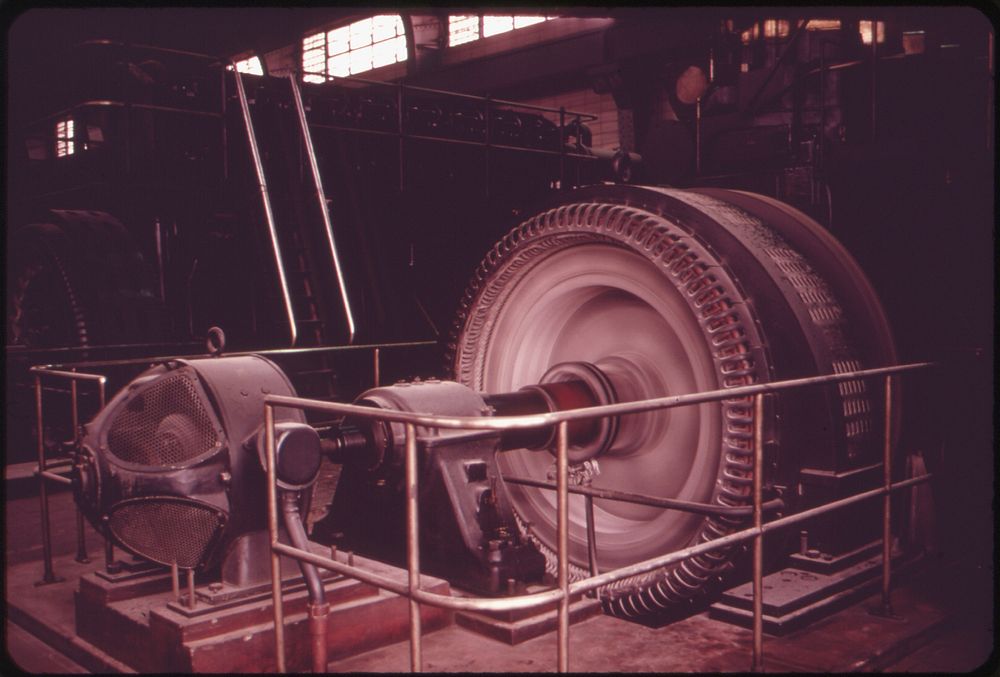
164	425
166	531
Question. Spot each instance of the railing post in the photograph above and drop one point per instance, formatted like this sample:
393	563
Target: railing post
413	546
887	498
591	538
562	517
272	529
49	575
758	540
562	147
81	539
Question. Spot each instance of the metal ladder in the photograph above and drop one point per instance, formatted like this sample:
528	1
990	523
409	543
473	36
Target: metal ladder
300	287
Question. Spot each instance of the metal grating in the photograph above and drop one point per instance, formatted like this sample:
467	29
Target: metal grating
164	425
166	530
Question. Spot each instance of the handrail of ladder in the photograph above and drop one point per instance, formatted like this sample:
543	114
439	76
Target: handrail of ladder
323	208
265	198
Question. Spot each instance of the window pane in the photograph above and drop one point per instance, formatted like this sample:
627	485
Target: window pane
462	29
64	137
361	60
251	66
493	25
361	33
319	79
355	48
339	40
383	27
522	21
865	28
340	65
313	60
823	25
313	41
384	53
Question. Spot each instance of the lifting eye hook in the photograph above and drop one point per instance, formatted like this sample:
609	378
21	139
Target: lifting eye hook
215	341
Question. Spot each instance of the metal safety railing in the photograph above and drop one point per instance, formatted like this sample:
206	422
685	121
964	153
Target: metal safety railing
70	372
46	475
566	589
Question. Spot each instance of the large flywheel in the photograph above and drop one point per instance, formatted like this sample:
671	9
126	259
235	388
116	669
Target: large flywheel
669	292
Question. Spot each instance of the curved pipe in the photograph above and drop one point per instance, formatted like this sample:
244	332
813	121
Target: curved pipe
318	608
297	534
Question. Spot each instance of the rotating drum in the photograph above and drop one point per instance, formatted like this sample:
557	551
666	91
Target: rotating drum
669	292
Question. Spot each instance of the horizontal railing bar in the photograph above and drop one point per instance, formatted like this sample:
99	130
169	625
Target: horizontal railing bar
423	596
553	418
593	582
18	350
54	477
646	566
447	139
57	463
655	501
146	48
590	117
72	375
48	368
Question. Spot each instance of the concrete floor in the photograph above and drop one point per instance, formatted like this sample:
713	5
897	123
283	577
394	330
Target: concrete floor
946	609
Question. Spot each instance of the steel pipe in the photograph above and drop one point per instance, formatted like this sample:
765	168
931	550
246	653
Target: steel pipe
413	547
319	616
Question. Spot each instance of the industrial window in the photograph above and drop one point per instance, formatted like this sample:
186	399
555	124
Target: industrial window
251	66
865	28
823	25
64	137
358	47
465	28
780	28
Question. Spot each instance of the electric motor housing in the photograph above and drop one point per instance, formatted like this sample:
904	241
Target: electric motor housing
170	468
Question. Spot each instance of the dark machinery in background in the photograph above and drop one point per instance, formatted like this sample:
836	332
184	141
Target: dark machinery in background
601	294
